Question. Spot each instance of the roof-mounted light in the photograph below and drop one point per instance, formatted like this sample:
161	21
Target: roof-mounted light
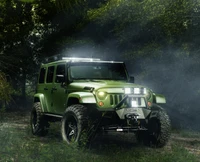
80	59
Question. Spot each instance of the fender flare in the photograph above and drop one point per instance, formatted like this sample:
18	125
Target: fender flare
158	98
39	97
83	97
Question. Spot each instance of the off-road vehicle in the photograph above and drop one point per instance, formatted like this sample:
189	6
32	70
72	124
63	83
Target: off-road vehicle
90	96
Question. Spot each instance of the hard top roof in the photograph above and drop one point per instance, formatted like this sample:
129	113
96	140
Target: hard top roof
79	59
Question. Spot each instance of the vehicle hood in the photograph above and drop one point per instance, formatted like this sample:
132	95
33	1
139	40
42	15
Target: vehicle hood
99	84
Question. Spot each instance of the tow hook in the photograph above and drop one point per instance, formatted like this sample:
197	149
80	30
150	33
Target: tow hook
132	118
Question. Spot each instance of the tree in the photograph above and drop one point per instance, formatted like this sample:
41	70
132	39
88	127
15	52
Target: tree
32	35
16	23
5	90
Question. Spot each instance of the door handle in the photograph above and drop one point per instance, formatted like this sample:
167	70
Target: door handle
54	89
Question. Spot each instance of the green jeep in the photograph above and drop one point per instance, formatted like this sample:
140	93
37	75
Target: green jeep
91	96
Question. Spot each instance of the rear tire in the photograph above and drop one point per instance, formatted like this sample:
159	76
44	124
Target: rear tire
39	125
75	124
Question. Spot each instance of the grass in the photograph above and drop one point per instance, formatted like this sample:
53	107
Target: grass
18	145
188	133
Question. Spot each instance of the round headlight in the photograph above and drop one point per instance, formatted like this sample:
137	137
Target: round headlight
101	95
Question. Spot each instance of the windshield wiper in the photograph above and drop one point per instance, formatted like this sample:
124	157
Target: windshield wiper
97	79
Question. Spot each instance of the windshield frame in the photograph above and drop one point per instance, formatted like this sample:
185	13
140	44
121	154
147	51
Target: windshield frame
122	66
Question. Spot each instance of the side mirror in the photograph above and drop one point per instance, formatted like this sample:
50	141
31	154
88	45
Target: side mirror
60	78
131	79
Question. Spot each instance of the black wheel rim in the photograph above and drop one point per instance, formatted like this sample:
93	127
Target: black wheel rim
71	129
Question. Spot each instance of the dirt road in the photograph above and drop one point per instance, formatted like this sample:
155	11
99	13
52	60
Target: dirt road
20	122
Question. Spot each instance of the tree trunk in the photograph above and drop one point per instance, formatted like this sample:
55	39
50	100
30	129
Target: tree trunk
24	102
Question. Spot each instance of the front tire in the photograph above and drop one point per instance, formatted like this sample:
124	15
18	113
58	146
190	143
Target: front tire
74	124
158	132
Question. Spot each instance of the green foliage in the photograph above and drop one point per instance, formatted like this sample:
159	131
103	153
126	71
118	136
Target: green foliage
5	89
13	27
67	4
137	23
28	1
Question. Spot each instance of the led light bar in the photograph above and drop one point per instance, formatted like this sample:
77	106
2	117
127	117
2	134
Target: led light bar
127	90
80	59
135	91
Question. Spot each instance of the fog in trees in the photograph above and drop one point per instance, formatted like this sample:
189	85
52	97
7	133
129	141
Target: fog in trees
157	40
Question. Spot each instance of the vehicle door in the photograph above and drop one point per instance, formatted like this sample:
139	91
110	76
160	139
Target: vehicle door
48	88
59	90
41	86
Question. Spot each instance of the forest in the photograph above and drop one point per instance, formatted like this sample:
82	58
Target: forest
158	40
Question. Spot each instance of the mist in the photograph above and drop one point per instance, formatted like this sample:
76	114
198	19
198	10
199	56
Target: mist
166	64
177	79
172	75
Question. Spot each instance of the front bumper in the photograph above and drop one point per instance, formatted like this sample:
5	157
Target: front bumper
138	113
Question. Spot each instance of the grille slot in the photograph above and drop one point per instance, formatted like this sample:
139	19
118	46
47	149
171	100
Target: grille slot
115	98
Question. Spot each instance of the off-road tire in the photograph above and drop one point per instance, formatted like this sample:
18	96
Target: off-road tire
158	132
74	125
39	125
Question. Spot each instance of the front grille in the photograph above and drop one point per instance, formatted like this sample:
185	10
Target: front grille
115	98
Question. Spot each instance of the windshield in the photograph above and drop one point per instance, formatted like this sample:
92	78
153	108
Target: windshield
97	70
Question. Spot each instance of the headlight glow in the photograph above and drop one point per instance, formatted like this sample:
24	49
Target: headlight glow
134	103
101	95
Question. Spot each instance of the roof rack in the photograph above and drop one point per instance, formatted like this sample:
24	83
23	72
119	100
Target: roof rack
80	59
